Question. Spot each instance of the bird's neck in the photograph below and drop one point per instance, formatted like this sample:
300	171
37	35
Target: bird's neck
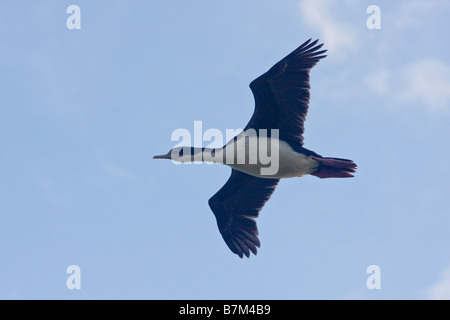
200	155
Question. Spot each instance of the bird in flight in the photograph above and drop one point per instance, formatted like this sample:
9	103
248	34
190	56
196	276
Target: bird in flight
277	126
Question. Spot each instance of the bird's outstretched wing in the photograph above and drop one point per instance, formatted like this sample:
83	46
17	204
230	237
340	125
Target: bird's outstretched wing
282	94
235	207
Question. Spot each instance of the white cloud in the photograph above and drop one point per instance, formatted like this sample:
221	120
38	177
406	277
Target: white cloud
337	35
427	83
378	81
441	289
412	13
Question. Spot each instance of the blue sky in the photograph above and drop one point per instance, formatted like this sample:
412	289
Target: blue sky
82	112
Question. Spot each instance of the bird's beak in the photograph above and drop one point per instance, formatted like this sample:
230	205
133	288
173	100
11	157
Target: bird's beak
163	156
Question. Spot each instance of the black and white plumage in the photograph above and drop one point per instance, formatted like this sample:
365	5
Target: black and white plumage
235	207
282	93
281	102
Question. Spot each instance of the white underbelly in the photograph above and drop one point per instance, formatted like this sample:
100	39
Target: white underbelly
283	162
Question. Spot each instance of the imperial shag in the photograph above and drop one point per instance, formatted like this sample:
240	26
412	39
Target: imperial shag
277	125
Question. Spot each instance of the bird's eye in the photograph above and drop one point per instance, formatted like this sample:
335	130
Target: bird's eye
181	152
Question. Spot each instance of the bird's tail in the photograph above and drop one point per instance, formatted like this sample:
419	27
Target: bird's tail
334	168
